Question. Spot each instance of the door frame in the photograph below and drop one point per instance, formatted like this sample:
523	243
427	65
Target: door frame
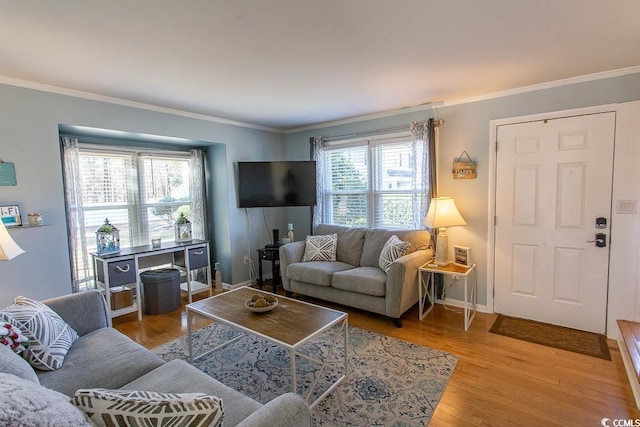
493	134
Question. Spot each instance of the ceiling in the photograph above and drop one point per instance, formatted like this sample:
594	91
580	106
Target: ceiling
287	64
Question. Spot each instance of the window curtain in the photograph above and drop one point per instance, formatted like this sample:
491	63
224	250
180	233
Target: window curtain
317	154
197	183
78	253
423	136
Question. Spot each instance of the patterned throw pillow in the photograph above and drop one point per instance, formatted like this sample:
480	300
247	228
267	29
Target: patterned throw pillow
391	251
49	336
149	408
320	248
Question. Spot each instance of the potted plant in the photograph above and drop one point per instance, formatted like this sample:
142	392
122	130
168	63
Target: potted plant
183	228
108	238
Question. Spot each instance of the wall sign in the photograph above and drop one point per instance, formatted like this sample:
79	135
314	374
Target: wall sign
464	169
7	174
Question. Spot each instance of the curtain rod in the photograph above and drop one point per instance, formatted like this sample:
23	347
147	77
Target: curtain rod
436	123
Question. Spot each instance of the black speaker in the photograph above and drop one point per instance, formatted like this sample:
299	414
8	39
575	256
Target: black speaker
276	236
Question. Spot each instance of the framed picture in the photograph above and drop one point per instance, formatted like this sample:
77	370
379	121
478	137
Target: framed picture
10	215
462	255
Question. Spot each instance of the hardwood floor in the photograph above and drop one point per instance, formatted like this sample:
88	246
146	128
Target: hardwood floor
498	381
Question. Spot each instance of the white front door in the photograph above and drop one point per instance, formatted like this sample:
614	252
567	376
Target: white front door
553	179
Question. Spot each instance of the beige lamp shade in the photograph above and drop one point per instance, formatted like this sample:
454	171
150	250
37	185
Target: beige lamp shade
9	249
443	213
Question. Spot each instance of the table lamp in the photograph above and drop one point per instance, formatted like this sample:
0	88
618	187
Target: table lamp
9	249
442	213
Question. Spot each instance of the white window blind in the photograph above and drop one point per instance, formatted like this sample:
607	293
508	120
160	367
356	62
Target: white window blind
372	183
141	194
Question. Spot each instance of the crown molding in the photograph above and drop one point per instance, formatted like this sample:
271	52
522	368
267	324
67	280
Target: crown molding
448	103
133	104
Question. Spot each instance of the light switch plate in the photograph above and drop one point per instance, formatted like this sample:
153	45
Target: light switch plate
626	206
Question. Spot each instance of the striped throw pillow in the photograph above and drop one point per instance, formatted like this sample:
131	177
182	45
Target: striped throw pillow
148	408
391	251
50	338
320	248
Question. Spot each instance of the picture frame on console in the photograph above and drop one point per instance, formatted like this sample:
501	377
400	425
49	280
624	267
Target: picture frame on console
462	256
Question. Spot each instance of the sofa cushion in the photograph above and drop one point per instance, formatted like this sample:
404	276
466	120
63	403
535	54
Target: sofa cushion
362	280
12	363
320	248
375	239
178	376
103	358
24	403
315	272
350	241
49	336
135	407
391	251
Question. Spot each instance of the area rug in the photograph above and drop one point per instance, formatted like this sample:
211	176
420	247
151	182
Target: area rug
390	382
554	336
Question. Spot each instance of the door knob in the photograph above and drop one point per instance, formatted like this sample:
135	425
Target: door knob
600	240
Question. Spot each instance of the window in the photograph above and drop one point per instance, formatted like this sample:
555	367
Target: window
141	193
373	183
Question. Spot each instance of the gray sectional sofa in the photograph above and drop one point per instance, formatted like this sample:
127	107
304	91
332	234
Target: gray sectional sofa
104	358
355	279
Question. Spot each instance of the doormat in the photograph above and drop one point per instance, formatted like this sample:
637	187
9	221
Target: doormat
582	342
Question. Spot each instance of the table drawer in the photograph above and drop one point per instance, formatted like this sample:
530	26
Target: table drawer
198	258
120	272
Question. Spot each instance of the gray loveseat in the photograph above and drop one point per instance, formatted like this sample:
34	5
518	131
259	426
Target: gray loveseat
355	279
104	358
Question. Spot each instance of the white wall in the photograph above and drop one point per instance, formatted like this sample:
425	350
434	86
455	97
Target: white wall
624	281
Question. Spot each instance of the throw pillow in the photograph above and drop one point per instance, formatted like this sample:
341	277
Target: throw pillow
391	251
320	248
141	408
24	403
12	363
49	336
12	338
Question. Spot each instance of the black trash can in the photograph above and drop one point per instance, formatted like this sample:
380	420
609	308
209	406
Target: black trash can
161	290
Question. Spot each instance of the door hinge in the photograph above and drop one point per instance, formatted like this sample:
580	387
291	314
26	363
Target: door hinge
495	221
496	146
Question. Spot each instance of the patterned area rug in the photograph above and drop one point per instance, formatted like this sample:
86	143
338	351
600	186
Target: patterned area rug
554	336
390	382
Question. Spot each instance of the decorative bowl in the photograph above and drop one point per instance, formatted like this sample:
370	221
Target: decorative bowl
269	307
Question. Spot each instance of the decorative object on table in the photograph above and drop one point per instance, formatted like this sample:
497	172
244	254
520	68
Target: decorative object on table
10	215
108	239
9	249
290	233
442	213
7	174
156	243
218	276
183	229
261	303
34	219
375	392
464	169
462	255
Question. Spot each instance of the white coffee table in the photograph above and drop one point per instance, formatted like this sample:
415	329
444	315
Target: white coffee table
290	325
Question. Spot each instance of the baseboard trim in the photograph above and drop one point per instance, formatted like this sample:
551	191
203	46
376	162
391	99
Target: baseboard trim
480	308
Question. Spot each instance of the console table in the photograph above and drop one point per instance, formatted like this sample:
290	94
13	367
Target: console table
124	268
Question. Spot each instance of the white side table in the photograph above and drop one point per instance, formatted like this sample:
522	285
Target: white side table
426	291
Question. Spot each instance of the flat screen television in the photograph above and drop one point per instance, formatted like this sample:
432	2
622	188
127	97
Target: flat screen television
276	184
